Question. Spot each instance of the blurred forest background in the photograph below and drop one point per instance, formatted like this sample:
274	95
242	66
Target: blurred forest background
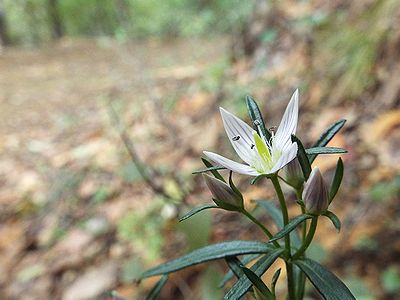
107	105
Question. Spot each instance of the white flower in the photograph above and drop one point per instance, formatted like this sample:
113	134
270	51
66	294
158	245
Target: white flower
261	156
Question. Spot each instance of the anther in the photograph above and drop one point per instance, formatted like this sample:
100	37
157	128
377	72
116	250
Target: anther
236	138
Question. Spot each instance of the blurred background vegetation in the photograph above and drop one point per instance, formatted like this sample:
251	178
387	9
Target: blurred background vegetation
34	21
107	105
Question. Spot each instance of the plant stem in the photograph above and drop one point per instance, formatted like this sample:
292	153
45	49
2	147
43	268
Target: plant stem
309	238
301	280
285	216
303	211
259	224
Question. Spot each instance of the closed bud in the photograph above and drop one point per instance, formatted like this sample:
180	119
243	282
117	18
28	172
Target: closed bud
294	174
222	193
315	193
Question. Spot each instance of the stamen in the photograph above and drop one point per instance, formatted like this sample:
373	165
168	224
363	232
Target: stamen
236	138
252	146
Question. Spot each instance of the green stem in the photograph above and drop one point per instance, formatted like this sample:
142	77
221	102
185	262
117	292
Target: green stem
285	216
303	211
301	279
309	238
259	224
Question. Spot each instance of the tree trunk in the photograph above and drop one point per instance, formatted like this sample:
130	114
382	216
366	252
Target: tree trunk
57	27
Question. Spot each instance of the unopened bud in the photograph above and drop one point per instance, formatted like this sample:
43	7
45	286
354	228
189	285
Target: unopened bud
315	193
294	174
223	195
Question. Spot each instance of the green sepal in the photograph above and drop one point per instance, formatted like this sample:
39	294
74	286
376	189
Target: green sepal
327	284
244	284
227	206
256	117
275	278
197	210
155	291
276	216
229	275
258	283
334	218
302	157
290	226
337	180
209	253
324	150
328	134
234	188
256	179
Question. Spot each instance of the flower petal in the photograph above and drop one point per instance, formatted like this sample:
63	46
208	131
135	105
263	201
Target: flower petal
288	124
240	135
231	165
286	158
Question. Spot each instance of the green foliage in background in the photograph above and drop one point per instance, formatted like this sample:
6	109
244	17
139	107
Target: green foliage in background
29	21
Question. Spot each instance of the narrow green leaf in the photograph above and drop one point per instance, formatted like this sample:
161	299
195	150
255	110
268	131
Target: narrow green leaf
290	226
272	210
335	220
244	284
229	275
275	278
212	169
327	136
302	157
208	253
197	210
324	150
155	291
276	216
258	283
235	265
256	117
337	180
328	285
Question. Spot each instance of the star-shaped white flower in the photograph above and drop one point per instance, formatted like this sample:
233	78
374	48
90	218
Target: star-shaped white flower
262	156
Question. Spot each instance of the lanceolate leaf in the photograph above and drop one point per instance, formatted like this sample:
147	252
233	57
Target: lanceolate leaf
324	150
272	210
302	157
244	284
327	136
335	220
229	275
157	288
208	253
337	180
215	172
258	283
210	168
329	286
290	226
235	265
275	278
276	216
197	210
256	117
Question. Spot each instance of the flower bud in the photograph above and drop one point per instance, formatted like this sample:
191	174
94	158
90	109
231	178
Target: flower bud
223	195
294	174
315	193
